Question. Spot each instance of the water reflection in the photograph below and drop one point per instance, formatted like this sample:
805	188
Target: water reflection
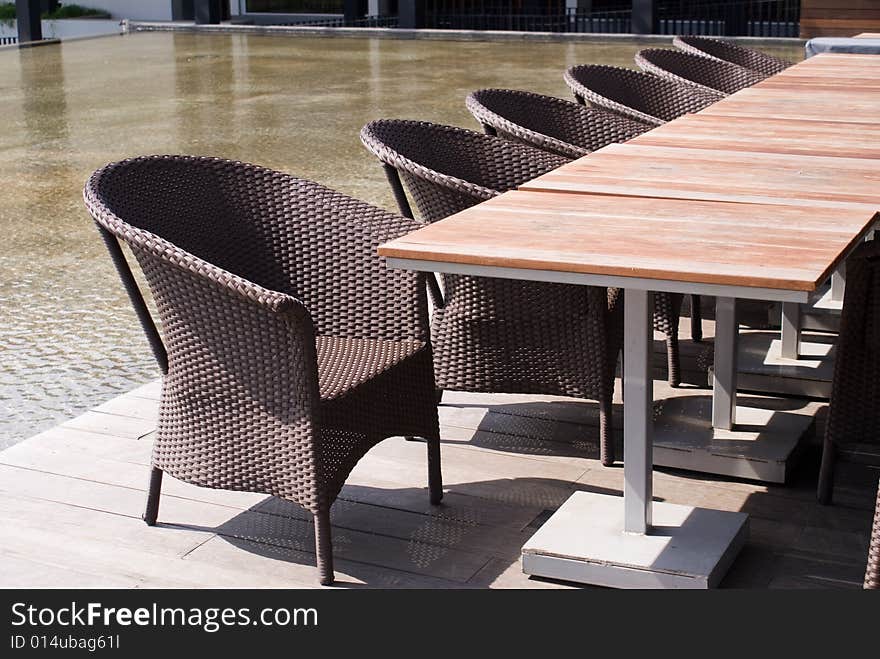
68	339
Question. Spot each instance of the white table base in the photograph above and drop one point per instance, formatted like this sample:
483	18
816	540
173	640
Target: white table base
762	446
584	542
762	368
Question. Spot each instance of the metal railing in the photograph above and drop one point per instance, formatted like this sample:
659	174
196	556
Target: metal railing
522	17
761	18
754	18
8	41
340	21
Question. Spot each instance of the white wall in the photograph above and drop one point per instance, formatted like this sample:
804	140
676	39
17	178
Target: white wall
137	10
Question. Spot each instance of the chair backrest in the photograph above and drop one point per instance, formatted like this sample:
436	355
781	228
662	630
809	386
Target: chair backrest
550	123
635	94
872	569
241	351
448	169
854	414
748	58
710	75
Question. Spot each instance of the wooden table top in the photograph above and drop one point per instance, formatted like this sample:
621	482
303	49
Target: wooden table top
768	189
829	87
845	105
684	173
710	242
868	35
817	138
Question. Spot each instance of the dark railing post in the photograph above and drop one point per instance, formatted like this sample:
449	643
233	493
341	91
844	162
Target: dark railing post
411	14
644	17
182	10
207	11
27	16
735	19
353	10
577	10
377	8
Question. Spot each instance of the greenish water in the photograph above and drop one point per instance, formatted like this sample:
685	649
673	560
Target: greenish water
68	339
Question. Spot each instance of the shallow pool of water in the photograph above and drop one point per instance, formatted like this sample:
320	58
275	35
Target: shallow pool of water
68	339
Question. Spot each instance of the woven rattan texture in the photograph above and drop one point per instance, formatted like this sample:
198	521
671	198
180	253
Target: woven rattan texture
711	76
872	572
573	131
501	335
292	348
854	413
761	63
550	123
635	94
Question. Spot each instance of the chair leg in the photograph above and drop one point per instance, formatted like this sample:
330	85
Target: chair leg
435	476
606	439
696	319
826	474
324	547
151	513
673	360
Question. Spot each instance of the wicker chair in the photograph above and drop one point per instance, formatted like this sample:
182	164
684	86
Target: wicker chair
761	63
289	348
635	94
853	428
711	76
571	130
549	123
501	335
872	571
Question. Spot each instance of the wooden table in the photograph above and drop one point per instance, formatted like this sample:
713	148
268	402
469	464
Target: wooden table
731	223
781	136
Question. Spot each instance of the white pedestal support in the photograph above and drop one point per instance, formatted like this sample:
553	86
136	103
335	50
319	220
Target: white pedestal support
726	354
633	542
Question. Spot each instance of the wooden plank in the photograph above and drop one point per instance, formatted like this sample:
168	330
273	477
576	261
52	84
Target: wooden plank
868	35
685	173
807	138
112	424
682	240
284	567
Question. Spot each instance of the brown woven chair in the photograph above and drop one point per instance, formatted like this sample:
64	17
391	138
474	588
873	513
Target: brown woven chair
549	123
761	63
572	131
635	94
501	335
289	349
853	428
709	75
872	571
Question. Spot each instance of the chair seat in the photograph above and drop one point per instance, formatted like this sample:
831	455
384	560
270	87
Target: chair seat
345	363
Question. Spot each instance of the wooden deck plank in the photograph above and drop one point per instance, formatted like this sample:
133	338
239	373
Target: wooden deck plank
112	424
530	468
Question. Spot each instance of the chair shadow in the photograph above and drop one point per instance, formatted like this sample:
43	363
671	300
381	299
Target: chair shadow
393	538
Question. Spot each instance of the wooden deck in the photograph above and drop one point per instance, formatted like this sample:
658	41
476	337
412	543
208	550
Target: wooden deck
72	499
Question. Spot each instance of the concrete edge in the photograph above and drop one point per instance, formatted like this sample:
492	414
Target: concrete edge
55	41
437	35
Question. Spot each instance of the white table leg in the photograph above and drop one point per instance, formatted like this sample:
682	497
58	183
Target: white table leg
638	388
586	540
838	282
791	330
724	390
